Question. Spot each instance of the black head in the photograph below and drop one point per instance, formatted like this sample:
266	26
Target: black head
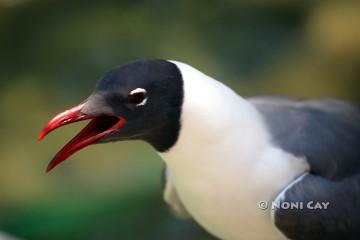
148	94
139	100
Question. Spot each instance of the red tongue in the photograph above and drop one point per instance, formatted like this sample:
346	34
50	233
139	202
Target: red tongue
94	131
98	127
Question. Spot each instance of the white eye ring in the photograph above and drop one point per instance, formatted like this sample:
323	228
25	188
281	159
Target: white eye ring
140	90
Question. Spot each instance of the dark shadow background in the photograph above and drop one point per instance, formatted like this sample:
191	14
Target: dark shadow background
52	53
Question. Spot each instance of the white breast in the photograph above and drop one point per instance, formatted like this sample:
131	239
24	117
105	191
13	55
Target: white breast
223	163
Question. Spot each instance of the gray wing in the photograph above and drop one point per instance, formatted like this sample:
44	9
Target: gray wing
171	197
331	209
326	132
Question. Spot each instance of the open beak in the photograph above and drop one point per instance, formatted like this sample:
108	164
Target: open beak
97	128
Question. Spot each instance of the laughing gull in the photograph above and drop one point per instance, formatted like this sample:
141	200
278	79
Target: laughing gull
243	168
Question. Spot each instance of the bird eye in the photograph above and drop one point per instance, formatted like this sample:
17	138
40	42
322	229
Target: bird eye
137	97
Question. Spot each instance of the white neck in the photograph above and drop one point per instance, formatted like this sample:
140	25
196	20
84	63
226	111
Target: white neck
212	111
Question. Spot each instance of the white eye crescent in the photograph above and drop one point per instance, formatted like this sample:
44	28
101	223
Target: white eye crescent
138	97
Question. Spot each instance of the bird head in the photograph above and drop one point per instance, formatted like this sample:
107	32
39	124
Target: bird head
137	101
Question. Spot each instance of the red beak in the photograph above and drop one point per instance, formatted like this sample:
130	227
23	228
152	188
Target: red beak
97	128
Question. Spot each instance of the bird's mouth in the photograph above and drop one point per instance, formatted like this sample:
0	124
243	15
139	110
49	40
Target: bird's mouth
97	128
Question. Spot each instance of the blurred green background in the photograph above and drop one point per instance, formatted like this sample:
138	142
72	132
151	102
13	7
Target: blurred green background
52	53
